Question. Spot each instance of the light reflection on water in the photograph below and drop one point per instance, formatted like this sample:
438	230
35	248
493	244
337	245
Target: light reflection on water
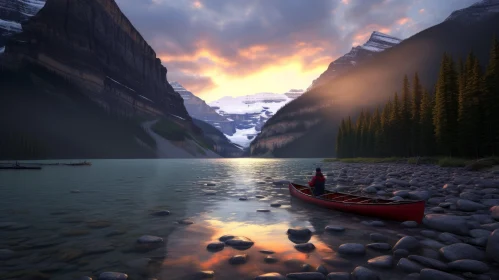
123	194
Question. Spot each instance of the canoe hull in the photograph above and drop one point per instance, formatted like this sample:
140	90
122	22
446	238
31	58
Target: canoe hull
399	211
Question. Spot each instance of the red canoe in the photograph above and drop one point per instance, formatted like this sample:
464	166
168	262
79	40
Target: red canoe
387	209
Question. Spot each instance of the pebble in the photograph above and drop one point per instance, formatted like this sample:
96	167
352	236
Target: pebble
362	273
494	212
429	233
409	266
469	266
161	213
306	276
410	224
270	259
259	196
113	276
408	243
401	253
336	261
469	206
299	232
338	276
378	237
448	238
476	233
267	252
412	276
270	276
461	251
238	259
352	249
185	222
239	242
225	237
429	262
305	247
381	261
433	274
206	274
334	228
243	198
275	204
447	223
322	269
379	246
263	210
149	239
215	246
492	248
431	244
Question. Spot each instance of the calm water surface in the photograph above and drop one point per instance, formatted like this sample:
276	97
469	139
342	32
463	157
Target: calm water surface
65	234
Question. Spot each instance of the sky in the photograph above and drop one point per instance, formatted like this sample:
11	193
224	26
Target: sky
217	48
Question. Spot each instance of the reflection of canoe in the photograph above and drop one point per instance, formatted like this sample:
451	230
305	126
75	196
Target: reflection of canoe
21	167
387	209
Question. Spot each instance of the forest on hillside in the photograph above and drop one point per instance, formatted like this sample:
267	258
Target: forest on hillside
458	118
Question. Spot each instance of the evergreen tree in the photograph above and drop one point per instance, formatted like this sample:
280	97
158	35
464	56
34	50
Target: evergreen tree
426	131
405	121
415	114
358	134
491	102
350	138
395	127
383	141
340	153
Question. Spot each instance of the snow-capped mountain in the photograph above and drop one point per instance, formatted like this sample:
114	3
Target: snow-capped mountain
198	109
13	13
377	43
477	11
250	112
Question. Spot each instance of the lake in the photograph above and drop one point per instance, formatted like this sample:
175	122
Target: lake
66	222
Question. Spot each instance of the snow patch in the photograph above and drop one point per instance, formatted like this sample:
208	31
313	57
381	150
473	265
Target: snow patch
241	136
178	117
121	84
11	26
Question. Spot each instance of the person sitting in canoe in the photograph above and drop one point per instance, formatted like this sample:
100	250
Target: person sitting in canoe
318	182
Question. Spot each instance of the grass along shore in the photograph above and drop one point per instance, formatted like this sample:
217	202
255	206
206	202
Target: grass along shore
471	164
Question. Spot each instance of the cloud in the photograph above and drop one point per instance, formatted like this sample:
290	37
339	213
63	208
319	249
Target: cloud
208	45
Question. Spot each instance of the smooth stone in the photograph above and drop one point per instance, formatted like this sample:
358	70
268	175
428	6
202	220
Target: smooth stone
243	198
379	246
362	273
461	251
335	228
480	233
469	266
401	253
494	212
430	253
306	276
469	206
448	238
161	213
215	246
322	269
336	261
378	237
492	249
185	222
240	242
412	276
409	266
446	223
381	261
226	237
437	210
338	276
433	274
259	196
396	198
267	252
206	274
306	268
480	241
270	259
299	231
444	205
432	244
305	247
275	204
263	210
429	233
352	249
112	276
483	218
419	195
429	262
491	226
271	276
149	239
210	184
410	224
408	243
238	259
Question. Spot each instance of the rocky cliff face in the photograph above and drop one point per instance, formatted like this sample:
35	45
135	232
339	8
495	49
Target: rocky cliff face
13	13
95	46
478	11
198	109
378	42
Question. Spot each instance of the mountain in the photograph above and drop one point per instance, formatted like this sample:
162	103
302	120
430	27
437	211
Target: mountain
306	127
223	146
80	81
377	43
476	12
13	13
198	109
249	113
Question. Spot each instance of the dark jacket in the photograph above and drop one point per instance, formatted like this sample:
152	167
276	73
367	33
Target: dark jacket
318	182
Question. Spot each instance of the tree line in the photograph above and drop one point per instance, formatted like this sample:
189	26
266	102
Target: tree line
459	118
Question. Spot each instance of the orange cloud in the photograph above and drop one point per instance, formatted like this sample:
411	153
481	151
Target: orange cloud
403	21
197	4
346	2
421	11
